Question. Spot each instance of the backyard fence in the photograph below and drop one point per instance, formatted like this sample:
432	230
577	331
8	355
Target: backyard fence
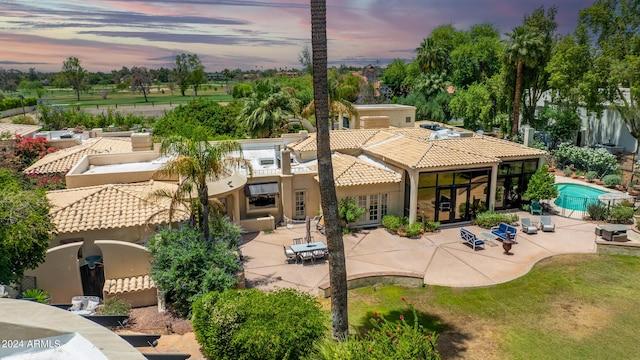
576	207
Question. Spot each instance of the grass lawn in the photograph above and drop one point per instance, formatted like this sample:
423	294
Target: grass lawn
567	307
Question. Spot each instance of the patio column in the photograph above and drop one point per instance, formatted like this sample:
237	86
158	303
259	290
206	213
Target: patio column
236	206
286	196
413	198
492	186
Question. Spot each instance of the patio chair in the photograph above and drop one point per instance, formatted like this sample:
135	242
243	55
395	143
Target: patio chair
536	207
547	224
319	254
307	255
289	254
297	241
527	227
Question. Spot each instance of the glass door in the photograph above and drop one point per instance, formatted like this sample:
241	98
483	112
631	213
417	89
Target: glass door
444	204
461	209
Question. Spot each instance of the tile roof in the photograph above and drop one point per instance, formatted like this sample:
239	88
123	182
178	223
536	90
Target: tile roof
19	129
420	154
130	284
63	160
109	207
412	147
351	171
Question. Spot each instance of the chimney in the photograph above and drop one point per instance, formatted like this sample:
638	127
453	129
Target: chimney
528	135
285	155
141	141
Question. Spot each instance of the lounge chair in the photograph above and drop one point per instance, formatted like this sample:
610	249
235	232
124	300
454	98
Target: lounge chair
527	227
536	207
289	254
547	224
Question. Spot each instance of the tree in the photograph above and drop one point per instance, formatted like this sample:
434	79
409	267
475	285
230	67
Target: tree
197	162
141	81
181	72
521	50
304	58
264	118
541	185
329	201
186	267
394	77
74	75
197	76
25	229
611	29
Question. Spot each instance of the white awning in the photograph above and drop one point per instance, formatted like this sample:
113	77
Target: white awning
271	188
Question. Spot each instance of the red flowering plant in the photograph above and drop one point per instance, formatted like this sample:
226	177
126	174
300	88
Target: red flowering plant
29	150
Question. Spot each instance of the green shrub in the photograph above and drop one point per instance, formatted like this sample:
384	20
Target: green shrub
567	171
621	213
597	211
431	226
590	175
413	229
489	219
348	210
251	324
586	159
185	266
115	306
526	207
611	180
38	295
391	222
387	340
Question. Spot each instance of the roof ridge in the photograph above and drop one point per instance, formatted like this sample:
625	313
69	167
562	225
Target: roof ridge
424	154
100	189
345	169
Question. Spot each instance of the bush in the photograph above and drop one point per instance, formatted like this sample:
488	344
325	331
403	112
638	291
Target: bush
540	185
413	229
387	340
597	211
590	175
250	324
431	226
185	266
391	222
489	219
38	295
586	159
567	171
115	306
621	213
611	180
348	210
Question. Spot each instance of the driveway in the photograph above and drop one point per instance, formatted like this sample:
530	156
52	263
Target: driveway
441	258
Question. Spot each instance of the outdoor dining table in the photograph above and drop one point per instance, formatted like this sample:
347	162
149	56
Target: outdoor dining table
614	232
312	246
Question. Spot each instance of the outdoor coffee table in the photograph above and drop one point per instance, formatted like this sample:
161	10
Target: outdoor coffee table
489	238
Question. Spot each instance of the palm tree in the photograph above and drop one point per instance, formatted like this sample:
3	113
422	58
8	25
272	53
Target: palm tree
431	57
523	49
196	163
328	198
269	109
338	105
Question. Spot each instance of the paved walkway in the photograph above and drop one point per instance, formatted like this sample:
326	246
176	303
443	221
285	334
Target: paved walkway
442	258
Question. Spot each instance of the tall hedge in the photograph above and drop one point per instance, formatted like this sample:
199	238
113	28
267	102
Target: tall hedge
250	324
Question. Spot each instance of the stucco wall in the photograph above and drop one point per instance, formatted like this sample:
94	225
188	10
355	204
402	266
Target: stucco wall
59	275
395	199
122	259
130	234
397	114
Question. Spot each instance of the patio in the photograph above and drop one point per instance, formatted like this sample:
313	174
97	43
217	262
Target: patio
441	258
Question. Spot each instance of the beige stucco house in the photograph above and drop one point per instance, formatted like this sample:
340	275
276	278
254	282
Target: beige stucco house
106	214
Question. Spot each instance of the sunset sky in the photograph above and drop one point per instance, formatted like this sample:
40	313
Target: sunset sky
246	34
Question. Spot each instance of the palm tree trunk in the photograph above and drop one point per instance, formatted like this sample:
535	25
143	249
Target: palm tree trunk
516	99
337	268
204	201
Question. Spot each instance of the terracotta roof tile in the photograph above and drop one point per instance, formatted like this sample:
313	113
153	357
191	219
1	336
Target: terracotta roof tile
351	171
109	207
426	154
19	129
127	285
63	160
340	140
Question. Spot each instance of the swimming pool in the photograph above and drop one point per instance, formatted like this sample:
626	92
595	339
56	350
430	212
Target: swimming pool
576	197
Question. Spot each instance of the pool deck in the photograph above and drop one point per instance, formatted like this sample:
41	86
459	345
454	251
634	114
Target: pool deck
439	258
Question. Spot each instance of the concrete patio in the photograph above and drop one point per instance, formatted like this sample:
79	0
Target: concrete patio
441	258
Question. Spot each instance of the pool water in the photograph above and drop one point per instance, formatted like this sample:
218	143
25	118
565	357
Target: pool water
576	197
